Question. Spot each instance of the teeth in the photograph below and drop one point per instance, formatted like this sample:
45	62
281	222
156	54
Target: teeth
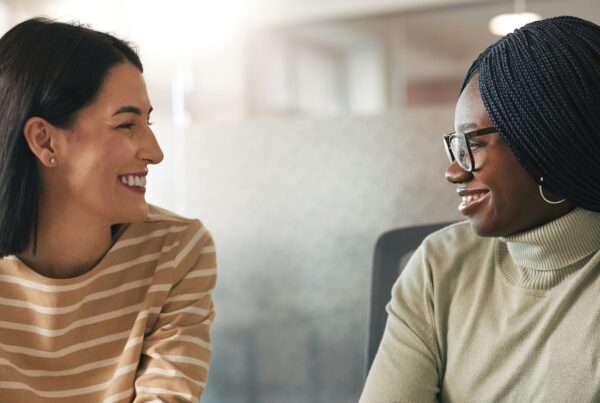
131	180
472	197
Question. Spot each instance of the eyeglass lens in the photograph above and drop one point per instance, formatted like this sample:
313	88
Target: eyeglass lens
461	152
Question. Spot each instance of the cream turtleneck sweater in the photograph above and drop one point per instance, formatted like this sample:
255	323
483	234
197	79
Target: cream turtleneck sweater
514	319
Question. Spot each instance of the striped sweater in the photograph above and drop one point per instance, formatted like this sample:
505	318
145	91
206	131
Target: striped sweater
134	328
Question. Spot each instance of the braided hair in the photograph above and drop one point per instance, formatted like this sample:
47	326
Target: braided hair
541	88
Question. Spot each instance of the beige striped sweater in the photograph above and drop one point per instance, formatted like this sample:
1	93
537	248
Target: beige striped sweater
134	328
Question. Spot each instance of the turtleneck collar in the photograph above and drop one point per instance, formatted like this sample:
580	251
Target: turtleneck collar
558	243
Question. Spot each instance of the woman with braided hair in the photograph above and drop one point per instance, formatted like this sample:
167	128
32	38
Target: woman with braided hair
506	306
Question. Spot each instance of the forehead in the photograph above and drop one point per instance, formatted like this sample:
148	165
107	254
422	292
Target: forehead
470	113
124	85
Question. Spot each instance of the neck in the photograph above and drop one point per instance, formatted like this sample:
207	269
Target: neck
556	244
68	244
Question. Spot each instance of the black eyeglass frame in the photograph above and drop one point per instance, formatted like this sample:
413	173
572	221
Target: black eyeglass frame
465	137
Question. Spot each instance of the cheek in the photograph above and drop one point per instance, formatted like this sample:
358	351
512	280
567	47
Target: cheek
515	193
116	150
512	189
512	179
99	163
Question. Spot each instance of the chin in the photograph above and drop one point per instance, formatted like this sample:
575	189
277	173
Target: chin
495	229
486	229
141	214
479	231
133	214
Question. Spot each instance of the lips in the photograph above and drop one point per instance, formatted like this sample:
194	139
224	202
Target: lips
135	181
471	199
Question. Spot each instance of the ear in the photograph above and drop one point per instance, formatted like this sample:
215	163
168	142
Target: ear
41	137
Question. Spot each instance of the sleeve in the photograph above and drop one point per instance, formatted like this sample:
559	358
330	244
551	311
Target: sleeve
176	354
406	367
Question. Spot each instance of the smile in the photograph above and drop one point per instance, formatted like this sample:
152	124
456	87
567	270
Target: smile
134	181
471	202
472	197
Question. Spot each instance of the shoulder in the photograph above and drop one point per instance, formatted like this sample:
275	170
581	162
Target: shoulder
164	230
195	246
161	221
452	251
458	238
161	216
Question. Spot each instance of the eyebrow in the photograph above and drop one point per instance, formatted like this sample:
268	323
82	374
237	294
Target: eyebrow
131	109
466	126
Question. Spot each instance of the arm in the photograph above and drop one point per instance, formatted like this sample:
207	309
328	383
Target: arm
176	354
406	367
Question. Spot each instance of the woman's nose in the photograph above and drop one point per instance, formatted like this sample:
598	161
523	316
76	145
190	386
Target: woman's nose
150	149
456	174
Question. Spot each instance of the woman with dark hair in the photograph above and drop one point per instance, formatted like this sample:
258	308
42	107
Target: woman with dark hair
506	307
103	297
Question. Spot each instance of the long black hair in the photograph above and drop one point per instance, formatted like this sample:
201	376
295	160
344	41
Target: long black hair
51	70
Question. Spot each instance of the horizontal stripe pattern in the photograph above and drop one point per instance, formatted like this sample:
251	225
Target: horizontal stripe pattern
149	258
135	326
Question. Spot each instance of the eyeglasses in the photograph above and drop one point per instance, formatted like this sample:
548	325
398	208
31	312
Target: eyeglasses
458	147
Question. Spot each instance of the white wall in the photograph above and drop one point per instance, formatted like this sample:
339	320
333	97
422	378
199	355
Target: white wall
296	207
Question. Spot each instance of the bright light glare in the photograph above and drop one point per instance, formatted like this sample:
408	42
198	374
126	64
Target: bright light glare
191	26
95	13
504	24
184	25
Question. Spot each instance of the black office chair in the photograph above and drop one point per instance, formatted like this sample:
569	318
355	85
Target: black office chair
392	251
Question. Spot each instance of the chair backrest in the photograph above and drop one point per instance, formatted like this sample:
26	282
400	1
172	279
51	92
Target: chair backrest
392	251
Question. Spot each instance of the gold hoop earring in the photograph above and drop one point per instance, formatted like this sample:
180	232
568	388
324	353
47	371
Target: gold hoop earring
544	197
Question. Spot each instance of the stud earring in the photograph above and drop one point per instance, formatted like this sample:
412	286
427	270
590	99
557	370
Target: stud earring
52	160
544	197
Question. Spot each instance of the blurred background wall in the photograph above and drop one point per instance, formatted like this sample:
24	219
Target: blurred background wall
298	131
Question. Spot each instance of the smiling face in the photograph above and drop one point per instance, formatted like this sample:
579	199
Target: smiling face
499	197
102	158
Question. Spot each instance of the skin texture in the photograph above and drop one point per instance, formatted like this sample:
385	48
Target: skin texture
81	195
511	201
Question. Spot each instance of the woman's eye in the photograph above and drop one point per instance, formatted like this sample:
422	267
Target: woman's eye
125	126
474	145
